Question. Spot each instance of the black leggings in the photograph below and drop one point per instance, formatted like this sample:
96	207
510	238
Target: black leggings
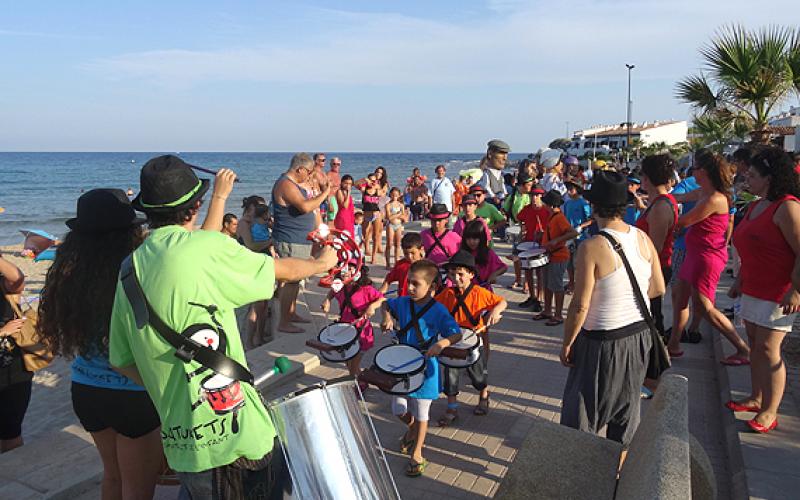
656	303
14	401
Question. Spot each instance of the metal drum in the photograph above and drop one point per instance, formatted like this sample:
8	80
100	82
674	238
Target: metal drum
514	231
470	342
527	246
344	337
330	444
533	259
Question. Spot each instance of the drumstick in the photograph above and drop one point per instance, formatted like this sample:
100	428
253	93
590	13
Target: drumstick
209	171
282	365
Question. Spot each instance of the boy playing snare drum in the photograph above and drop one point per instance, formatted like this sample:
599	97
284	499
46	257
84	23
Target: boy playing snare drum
420	319
466	302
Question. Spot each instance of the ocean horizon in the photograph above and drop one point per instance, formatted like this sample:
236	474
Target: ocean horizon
39	190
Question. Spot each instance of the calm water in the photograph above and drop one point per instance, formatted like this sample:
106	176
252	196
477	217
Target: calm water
39	190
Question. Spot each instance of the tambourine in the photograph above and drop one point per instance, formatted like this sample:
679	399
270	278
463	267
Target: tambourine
347	250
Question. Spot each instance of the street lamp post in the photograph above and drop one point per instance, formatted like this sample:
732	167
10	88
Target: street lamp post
628	121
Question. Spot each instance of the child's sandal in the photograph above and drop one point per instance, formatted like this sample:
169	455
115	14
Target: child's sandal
415	469
406	445
448	419
483	407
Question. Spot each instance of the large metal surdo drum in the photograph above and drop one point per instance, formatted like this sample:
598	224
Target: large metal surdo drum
330	445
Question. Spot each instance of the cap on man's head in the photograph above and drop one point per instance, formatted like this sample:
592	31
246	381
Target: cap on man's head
498	145
550	158
477	188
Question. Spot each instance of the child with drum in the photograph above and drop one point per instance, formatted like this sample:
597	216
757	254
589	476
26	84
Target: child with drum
557	233
488	265
413	251
421	321
358	301
534	218
467	303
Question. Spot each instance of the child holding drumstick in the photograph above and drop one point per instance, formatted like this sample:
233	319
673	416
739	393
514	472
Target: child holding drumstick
467	302
421	319
358	301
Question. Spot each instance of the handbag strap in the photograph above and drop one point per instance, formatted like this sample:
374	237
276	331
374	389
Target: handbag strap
637	292
186	349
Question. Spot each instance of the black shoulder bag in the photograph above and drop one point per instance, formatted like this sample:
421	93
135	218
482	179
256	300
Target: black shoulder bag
186	349
658	361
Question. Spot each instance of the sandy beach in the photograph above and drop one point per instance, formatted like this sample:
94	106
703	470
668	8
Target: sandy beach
35	272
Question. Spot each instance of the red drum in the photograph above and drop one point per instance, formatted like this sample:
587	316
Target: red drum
223	394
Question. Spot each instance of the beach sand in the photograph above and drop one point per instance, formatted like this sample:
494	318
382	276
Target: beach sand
35	272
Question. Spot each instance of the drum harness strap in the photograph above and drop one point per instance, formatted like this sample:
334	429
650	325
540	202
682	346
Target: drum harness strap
186	349
414	323
463	306
437	242
348	304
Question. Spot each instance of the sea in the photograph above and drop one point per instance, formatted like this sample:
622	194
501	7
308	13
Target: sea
40	190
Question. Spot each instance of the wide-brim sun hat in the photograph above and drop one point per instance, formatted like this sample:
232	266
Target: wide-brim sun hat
609	189
168	184
438	211
102	211
462	258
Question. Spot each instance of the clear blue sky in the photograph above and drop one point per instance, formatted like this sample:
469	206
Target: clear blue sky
364	75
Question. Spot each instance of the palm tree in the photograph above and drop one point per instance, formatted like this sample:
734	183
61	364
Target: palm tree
747	74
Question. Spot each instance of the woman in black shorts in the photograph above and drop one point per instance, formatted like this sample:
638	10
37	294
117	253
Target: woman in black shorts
370	190
15	380
74	315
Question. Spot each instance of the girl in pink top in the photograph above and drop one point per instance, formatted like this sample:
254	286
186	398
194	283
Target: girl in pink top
707	253
488	264
358	302
440	243
345	216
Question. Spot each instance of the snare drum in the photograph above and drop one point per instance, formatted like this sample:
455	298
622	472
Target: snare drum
403	362
344	337
527	246
471	342
514	230
534	258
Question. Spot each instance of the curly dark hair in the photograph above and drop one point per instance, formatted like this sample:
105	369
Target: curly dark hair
775	163
719	171
658	168
78	293
476	229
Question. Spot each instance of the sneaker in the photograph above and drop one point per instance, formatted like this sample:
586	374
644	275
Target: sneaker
537	306
646	393
528	303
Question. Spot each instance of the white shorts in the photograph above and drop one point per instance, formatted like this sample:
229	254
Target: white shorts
419	408
766	313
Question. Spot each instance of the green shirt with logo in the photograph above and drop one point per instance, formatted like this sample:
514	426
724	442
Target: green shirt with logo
489	213
207	419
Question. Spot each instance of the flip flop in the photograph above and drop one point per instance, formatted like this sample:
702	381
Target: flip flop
448	419
415	469
482	408
541	316
676	354
735	406
406	446
735	360
554	322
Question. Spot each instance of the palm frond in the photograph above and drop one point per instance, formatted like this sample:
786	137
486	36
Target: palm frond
696	90
793	60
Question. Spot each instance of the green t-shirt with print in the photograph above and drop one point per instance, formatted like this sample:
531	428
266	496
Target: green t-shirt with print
207	420
489	213
519	200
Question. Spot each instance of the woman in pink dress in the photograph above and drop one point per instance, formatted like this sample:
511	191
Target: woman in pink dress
707	252
345	216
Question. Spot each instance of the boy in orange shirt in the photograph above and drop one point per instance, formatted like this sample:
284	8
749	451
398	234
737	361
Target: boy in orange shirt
466	302
556	235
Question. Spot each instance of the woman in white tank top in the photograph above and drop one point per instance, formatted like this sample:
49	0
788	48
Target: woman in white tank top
606	340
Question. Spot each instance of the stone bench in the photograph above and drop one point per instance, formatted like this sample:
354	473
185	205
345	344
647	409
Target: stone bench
664	461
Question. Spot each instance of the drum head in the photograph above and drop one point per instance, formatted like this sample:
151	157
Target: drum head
471	342
526	246
399	359
216	382
514	230
338	334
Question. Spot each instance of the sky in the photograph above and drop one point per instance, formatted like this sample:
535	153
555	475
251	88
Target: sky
362	75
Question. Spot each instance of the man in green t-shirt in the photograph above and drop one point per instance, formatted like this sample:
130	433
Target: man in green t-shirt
215	430
488	212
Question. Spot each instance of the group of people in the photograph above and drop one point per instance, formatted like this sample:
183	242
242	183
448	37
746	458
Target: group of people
148	317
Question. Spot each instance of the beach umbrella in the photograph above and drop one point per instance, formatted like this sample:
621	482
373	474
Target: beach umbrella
36	242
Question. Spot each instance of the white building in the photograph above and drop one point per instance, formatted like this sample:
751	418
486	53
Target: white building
787	126
609	138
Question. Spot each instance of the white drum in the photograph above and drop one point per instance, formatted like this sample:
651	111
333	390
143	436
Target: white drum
527	246
470	342
533	259
344	337
403	362
514	230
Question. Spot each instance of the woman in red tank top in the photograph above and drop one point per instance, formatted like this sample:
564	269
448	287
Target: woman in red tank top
659	220
768	242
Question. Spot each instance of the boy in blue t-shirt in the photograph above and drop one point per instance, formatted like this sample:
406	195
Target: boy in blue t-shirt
414	411
579	214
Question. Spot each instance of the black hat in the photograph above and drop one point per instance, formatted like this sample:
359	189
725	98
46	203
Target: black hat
462	258
609	189
553	198
168	184
103	210
439	211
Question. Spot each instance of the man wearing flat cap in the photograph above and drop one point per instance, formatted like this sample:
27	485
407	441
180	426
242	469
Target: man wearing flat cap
493	164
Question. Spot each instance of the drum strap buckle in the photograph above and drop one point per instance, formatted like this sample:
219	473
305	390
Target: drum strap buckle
186	351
